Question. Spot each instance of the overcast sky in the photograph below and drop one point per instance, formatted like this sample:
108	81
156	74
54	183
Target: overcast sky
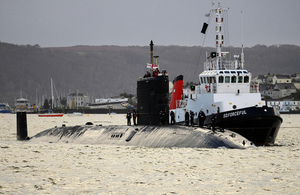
56	23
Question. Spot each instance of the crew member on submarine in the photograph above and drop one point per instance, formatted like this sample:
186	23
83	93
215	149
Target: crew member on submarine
128	116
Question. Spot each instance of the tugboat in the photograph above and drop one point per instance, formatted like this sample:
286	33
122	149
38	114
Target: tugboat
224	93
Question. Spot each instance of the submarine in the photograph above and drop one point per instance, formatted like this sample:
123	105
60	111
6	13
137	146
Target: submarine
151	130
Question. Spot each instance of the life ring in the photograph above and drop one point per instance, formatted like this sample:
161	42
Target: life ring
207	88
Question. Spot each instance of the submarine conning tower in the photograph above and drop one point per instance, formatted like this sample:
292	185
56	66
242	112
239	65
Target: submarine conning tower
152	97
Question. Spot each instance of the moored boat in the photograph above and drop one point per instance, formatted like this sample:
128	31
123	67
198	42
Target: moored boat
75	114
5	108
224	94
50	114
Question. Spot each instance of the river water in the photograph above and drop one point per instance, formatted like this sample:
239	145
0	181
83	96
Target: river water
64	168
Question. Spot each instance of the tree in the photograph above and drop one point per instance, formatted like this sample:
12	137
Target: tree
46	104
126	95
63	102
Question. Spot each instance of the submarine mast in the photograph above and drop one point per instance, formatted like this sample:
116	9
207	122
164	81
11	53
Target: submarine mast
151	56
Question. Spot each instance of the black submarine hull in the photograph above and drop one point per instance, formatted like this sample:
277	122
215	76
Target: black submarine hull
144	136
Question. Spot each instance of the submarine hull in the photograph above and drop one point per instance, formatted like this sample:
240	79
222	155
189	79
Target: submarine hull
145	136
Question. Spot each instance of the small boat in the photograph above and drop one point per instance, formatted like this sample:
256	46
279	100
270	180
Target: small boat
5	108
21	104
50	114
75	114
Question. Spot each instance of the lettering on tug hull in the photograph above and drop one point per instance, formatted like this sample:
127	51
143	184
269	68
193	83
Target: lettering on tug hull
234	114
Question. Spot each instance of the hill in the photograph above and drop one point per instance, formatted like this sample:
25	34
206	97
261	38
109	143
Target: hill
105	71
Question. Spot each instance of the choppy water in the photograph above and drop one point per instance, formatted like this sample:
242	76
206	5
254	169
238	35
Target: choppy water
45	168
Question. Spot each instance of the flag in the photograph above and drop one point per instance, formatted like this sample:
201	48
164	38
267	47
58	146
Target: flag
204	27
154	66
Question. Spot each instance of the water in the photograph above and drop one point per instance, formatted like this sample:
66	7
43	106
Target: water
64	168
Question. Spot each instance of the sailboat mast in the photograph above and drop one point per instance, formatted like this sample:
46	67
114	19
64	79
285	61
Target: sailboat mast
52	96
77	99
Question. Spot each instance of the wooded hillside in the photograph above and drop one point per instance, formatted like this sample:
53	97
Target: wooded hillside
105	71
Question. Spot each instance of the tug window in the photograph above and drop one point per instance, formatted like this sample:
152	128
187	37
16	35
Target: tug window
240	80
221	79
233	79
212	79
201	79
204	79
246	79
227	79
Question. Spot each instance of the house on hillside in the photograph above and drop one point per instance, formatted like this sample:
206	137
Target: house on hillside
295	77
277	91
275	88
266	89
296	80
269	78
259	79
263	79
77	100
279	78
283	89
297	84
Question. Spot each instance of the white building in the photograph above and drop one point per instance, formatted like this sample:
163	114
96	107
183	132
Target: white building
110	100
77	100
